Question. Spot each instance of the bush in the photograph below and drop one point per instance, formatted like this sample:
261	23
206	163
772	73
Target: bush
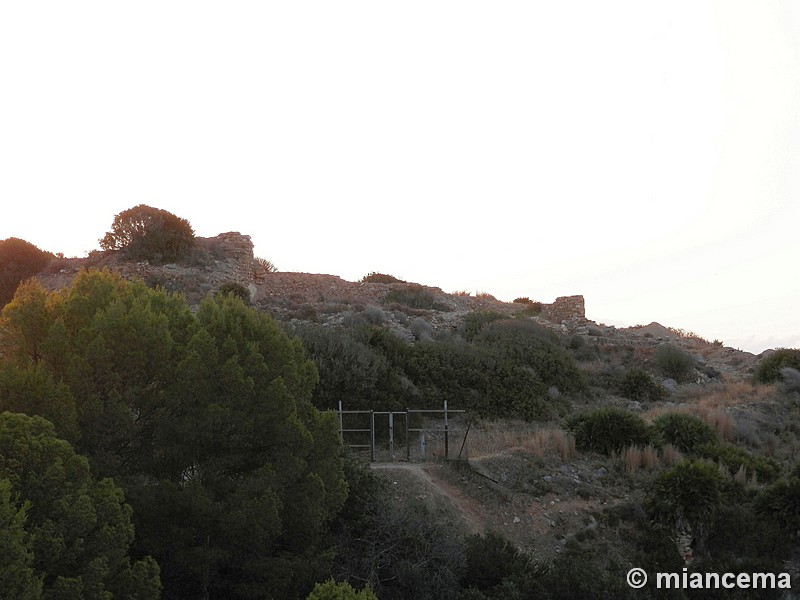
19	260
769	368
791	379
491	558
267	265
734	458
636	384
374	277
686	432
534	348
532	307
414	296
608	430
674	362
576	342
782	502
330	590
235	289
476	320
690	493
148	233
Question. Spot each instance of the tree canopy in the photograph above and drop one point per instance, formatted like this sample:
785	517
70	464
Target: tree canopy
149	233
204	419
78	529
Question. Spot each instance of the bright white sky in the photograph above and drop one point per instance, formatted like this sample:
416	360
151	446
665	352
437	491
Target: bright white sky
643	154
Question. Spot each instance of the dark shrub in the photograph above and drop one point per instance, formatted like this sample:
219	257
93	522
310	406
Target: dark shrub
19	260
781	501
674	362
608	430
235	289
686	432
636	384
475	322
374	277
734	458
690	493
491	558
769	368
414	296
536	348
148	233
576	342
354	371
516	333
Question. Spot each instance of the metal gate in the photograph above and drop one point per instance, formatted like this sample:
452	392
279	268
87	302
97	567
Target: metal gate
392	434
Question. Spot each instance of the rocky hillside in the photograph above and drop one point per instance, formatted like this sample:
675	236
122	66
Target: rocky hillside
406	308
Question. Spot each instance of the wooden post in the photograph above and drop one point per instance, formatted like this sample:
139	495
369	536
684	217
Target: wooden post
464	443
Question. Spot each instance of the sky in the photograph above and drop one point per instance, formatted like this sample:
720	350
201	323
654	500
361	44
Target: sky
643	154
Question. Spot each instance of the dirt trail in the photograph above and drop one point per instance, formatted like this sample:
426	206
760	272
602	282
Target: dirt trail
468	508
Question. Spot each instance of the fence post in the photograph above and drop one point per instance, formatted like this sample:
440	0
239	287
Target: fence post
341	423
464	443
391	435
446	433
372	436
408	440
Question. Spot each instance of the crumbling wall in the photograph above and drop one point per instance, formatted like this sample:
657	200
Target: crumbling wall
565	308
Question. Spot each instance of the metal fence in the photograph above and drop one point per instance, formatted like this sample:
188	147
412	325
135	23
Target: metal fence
409	434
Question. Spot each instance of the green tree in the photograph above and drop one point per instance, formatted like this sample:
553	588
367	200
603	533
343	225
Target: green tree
35	392
80	528
112	344
17	577
254	469
206	421
149	233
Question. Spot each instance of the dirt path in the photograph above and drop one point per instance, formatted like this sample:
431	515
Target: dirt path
470	511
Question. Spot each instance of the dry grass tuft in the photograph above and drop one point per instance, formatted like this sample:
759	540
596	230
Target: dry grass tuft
632	457
712	404
635	458
727	394
485	296
500	437
671	455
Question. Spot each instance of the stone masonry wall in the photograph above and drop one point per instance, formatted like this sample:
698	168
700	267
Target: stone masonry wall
565	308
228	258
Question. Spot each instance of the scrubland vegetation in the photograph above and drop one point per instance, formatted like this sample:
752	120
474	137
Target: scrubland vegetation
149	449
